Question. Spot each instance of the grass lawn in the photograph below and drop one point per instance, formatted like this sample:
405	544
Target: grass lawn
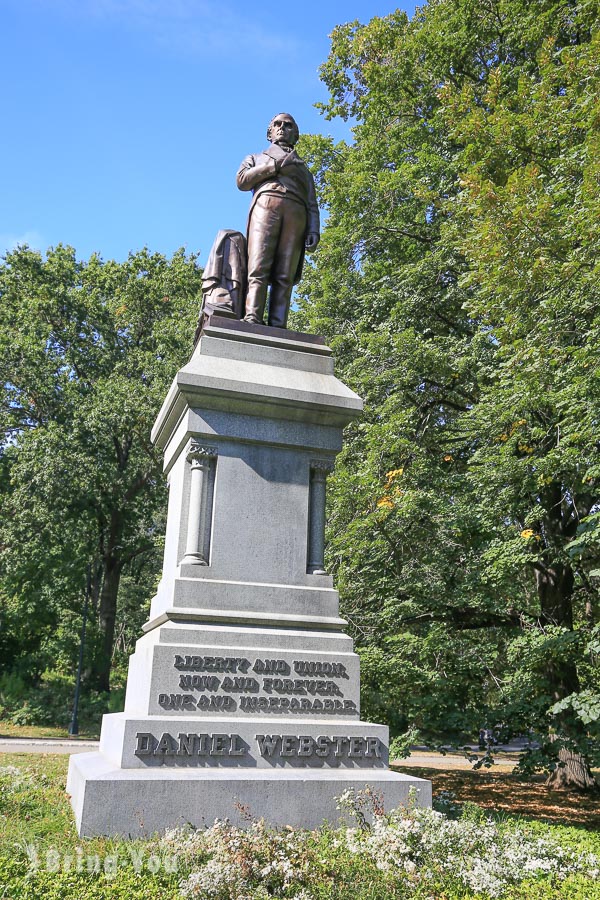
37	833
8	730
42	858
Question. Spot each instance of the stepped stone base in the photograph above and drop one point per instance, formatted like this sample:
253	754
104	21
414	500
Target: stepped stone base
244	690
134	803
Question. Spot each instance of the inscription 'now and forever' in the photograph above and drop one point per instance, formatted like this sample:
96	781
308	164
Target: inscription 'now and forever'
312	690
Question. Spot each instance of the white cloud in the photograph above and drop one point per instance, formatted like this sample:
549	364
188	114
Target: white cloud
206	27
32	238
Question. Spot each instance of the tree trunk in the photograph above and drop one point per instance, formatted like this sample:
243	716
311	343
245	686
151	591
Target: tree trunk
572	773
107	616
555	591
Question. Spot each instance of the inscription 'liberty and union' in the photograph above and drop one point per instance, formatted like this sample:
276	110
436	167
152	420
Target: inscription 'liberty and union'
313	690
262	666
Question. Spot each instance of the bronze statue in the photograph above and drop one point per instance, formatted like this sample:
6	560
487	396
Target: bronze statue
283	221
224	279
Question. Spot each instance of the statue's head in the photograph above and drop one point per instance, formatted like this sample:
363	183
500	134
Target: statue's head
283	129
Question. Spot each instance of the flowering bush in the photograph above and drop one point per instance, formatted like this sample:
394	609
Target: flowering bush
446	802
423	843
411	852
13	779
244	863
10	774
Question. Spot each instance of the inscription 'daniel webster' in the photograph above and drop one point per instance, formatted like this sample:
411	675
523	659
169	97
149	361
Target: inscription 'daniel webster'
268	745
230	683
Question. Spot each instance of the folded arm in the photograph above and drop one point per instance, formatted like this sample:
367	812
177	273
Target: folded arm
250	175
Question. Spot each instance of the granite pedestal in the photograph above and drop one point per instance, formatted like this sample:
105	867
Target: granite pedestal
243	692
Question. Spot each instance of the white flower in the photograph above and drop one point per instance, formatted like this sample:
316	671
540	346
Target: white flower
414	845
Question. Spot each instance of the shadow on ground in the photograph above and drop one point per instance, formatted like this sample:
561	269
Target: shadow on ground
504	792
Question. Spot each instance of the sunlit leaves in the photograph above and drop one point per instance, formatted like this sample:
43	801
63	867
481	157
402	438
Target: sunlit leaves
457	283
87	351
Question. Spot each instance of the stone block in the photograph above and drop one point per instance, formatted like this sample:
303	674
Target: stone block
258	743
131	803
239	679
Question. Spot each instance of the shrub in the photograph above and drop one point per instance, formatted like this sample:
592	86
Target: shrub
48	703
414	852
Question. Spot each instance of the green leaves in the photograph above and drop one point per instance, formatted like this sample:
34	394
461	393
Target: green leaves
585	704
457	283
87	351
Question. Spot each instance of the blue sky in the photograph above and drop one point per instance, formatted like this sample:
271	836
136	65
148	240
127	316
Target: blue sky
125	120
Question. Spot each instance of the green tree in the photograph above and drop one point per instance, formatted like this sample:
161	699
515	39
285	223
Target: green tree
457	282
88	350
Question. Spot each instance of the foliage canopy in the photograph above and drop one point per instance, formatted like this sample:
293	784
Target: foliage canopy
457	281
87	352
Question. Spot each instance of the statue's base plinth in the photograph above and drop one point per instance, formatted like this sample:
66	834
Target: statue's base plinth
140	803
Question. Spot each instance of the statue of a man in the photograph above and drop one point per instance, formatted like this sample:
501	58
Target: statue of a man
282	223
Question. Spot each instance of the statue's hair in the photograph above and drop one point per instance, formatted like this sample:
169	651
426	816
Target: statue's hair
296	134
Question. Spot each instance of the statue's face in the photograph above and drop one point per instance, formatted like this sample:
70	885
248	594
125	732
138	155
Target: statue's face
283	130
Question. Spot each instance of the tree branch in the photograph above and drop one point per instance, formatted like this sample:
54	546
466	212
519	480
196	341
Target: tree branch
468	619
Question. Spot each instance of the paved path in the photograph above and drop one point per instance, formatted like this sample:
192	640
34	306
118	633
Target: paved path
450	761
46	745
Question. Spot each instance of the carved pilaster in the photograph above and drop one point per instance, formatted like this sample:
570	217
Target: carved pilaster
201	458
319	469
